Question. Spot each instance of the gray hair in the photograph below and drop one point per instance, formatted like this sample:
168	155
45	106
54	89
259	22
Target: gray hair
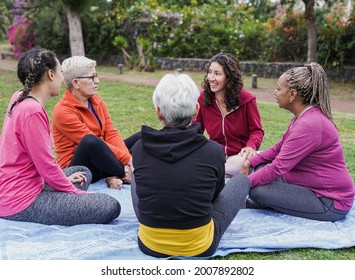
311	83
176	96
76	66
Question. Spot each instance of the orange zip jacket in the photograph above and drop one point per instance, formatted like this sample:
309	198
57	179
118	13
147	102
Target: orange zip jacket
72	121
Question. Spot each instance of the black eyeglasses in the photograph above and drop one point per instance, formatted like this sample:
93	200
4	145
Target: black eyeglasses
94	78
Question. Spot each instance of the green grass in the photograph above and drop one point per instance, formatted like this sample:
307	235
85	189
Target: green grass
131	106
338	90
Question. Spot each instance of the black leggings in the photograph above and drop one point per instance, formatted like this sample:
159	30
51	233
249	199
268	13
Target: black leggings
96	155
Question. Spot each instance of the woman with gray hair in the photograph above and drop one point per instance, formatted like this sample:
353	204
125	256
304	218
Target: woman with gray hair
304	174
178	190
83	131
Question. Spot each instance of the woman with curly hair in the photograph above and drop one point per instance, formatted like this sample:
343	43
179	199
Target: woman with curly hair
228	112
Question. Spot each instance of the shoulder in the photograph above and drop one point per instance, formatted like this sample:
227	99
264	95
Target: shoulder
30	110
312	117
30	106
15	95
64	101
246	96
214	148
314	120
63	107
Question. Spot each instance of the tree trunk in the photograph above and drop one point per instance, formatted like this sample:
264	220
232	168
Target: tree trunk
75	33
311	31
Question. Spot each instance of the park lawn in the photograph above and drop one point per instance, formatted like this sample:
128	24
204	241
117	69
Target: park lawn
130	106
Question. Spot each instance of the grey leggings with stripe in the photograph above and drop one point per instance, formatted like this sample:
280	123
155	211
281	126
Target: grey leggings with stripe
295	200
59	208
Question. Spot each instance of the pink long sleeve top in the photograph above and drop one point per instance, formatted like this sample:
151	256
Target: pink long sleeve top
26	159
309	154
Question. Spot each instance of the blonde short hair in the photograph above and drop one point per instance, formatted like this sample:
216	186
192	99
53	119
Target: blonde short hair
76	66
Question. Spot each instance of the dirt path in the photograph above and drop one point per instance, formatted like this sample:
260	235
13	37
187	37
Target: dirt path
344	106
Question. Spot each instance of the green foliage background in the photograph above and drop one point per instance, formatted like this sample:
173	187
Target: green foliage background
257	30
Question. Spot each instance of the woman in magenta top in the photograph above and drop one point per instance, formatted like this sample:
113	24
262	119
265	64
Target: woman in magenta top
228	112
305	173
33	188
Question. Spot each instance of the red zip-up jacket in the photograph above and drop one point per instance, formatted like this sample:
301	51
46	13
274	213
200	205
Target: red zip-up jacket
238	129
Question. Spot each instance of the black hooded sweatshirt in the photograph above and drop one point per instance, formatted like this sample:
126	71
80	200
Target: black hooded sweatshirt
178	174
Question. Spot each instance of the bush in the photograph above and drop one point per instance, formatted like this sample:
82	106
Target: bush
200	29
21	36
336	39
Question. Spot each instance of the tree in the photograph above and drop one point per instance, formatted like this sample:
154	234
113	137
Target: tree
309	13
5	17
311	27
311	31
72	8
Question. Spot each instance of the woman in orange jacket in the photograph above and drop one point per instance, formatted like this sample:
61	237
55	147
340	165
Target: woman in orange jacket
83	130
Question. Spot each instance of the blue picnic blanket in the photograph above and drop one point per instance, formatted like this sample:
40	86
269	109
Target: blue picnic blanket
253	230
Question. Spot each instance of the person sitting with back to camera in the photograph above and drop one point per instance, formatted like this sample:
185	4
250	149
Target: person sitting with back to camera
178	188
228	112
83	131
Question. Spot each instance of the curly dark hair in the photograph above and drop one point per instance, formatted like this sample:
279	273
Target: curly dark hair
31	68
234	84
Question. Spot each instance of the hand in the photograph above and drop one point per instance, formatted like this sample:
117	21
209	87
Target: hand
129	169
130	164
247	152
78	177
245	168
128	174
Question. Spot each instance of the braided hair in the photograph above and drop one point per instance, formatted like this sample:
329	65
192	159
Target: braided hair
311	83
234	83
31	67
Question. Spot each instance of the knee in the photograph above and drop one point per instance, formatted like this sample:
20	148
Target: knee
90	140
92	143
114	209
241	181
255	193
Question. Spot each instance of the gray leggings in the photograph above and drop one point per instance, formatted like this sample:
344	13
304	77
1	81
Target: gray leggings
225	208
295	200
59	208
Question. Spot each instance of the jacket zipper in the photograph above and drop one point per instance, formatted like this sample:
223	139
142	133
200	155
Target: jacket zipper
223	126
223	130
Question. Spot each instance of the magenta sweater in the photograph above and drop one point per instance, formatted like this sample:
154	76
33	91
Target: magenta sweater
26	158
238	129
309	154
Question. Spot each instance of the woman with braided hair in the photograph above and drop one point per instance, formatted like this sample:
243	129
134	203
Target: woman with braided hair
304	174
33	188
